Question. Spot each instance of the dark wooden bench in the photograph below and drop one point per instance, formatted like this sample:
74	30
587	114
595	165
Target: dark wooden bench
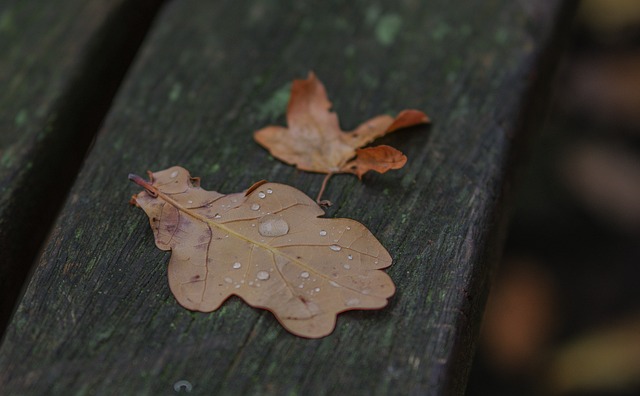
97	316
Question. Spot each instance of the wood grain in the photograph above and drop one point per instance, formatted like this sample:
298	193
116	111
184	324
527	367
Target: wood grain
98	316
60	64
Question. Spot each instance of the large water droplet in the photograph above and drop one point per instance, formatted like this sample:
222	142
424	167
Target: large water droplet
262	275
304	274
335	248
350	257
323	233
255	206
273	226
269	191
174	174
317	289
228	280
261	194
237	265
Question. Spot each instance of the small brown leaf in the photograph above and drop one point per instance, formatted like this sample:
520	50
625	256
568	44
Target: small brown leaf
314	141
266	245
379	158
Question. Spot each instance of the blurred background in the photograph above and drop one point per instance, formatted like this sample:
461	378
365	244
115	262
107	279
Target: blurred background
563	316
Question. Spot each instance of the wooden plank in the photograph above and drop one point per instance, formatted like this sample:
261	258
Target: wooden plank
61	63
98	316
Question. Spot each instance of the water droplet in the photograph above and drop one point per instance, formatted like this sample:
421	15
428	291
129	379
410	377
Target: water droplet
304	274
300	286
348	228
228	280
334	284
317	289
350	257
250	283
183	384
366	291
174	174
190	201
217	216
347	266
269	191
261	194
237	286
255	206
352	302
253	224
237	265
323	233
335	248
272	226
262	275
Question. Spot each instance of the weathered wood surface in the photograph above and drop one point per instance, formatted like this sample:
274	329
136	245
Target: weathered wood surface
60	63
98	316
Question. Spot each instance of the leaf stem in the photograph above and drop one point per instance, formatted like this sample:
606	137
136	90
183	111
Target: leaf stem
144	184
325	202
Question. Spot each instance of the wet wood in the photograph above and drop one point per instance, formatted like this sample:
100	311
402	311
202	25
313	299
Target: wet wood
98	316
60	64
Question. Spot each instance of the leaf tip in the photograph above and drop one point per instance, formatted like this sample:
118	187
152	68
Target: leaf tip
254	187
134	201
408	118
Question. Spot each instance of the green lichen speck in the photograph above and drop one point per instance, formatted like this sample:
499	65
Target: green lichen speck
276	105
387	29
6	22
21	118
175	92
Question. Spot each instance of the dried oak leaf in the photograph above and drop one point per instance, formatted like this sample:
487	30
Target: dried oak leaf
314	141
266	245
